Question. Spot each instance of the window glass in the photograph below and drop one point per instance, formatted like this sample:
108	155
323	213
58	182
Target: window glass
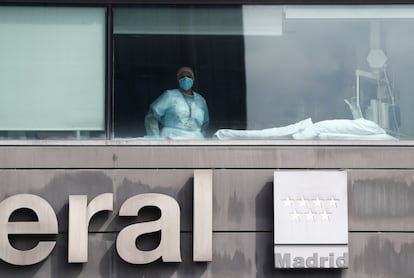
266	72
52	72
151	43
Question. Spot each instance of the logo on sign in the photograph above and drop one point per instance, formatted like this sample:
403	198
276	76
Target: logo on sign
310	209
310	218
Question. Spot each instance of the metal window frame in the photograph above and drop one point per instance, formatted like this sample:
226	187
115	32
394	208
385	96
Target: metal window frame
109	82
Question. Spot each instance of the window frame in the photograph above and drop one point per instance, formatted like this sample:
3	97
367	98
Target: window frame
109	139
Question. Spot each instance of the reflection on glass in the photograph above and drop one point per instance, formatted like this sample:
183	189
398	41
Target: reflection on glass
52	72
275	72
151	43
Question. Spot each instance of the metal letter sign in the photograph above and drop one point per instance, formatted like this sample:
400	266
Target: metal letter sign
310	219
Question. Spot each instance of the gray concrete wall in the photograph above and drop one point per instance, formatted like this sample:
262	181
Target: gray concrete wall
380	188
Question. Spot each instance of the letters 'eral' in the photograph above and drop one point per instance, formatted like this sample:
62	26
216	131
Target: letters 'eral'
168	224
46	224
202	216
80	215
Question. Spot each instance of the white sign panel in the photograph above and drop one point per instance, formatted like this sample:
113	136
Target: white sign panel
310	219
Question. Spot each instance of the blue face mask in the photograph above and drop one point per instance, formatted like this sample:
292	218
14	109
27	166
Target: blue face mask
185	83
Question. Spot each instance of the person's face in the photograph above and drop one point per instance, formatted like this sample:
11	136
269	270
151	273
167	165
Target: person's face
185	74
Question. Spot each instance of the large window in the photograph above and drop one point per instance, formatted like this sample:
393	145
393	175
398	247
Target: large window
151	43
52	72
258	72
271	72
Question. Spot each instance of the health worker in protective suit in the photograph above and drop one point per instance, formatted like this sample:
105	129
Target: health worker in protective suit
181	113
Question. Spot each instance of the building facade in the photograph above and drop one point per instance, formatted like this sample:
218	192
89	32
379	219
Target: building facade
93	142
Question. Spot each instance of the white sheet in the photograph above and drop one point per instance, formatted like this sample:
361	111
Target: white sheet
339	129
285	132
341	136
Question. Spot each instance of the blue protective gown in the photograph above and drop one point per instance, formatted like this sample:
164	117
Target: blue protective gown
181	116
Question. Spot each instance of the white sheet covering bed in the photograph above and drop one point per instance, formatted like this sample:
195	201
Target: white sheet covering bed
284	132
341	136
340	129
